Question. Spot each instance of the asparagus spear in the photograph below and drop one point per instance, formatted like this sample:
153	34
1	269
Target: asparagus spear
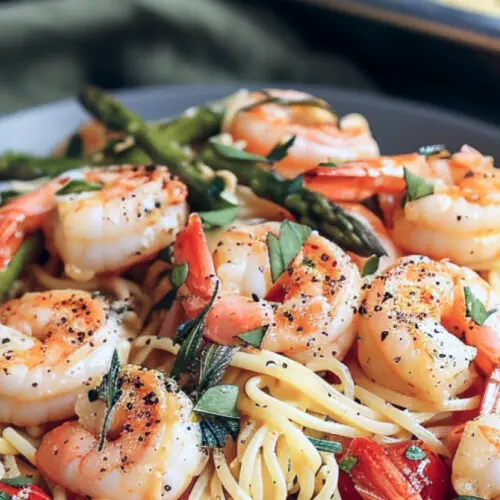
310	208
195	125
29	249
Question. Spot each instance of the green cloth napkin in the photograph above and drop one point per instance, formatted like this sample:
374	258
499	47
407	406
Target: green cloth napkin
50	48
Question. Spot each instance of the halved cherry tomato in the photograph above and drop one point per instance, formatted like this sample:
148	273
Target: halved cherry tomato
374	474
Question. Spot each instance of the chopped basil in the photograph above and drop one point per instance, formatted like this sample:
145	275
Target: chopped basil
347	464
219	401
475	308
232	153
77	186
178	276
19	481
219	218
215	431
416	187
326	445
254	337
216	187
413	452
431	149
371	266
109	392
283	250
328	164
5	196
280	150
75	146
306	261
189	335
295	185
4	495
214	360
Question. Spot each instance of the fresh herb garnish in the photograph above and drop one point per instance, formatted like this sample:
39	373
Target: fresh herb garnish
280	150
347	464
431	149
254	337
219	218
371	266
306	261
413	452
178	276
219	401
475	308
327	164
283	250
4	495
5	196
77	186
216	187
232	153
214	360
75	146
416	187
215	431
295	185
326	445
468	498
189	335
109	392
19	481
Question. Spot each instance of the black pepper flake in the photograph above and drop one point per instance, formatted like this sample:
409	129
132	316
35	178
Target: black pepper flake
383	335
397	359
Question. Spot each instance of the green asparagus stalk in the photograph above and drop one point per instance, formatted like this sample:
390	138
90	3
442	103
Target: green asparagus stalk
27	252
195	125
310	208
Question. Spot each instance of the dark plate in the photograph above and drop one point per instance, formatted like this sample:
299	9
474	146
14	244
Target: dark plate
399	126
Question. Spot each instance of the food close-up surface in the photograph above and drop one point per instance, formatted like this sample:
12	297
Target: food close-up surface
260	280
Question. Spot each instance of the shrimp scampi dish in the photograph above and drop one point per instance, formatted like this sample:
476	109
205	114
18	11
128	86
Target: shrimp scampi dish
248	302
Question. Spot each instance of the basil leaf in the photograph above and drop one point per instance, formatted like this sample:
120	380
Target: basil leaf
431	149
214	360
327	164
275	258
475	308
295	185
179	275
371	266
413	452
215	431
283	250
254	337
219	218
347	464
326	445
219	401
19	481
216	187
75	146
416	187
109	392
292	238
5	196
232	153
280	151
4	495
77	186
189	334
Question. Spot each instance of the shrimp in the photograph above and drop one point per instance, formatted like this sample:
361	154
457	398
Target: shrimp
319	136
415	335
458	221
52	345
308	310
153	447
24	215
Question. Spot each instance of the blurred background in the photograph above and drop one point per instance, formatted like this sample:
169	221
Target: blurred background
442	52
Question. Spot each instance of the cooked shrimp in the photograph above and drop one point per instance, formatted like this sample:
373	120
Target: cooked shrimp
137	213
414	332
24	215
320	137
53	344
309	309
476	466
153	449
